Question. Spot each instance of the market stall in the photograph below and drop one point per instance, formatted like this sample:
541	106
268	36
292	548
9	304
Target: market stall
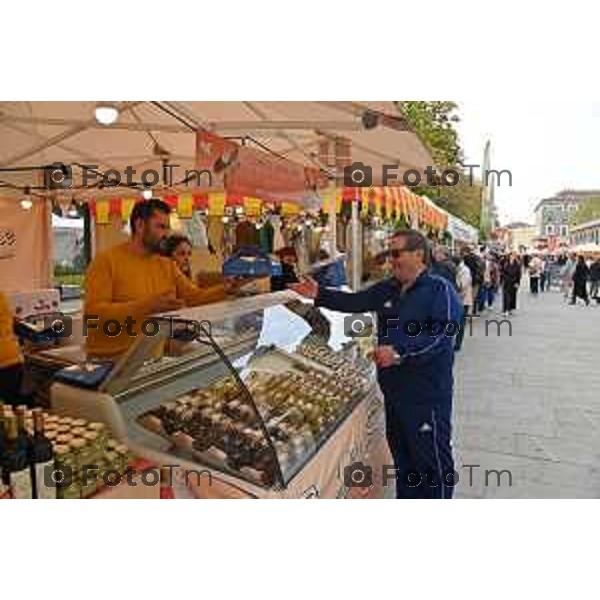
587	250
385	210
286	153
462	234
277	165
272	399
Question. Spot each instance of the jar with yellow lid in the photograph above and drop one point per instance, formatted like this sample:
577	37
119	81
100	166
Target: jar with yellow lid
101	430
64	461
78	431
64	438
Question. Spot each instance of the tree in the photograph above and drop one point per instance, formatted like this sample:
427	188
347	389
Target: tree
434	121
589	210
435	124
464	200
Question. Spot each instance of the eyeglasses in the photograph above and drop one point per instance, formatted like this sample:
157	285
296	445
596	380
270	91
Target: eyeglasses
398	252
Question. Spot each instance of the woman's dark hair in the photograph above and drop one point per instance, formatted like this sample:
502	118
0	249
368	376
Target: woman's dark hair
287	251
173	242
145	209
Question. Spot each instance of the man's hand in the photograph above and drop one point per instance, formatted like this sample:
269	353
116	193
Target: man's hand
233	285
307	287
385	356
164	303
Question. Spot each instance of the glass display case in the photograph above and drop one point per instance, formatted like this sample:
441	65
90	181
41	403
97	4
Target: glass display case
251	389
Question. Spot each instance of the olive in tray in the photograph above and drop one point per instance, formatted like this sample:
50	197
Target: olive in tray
217	425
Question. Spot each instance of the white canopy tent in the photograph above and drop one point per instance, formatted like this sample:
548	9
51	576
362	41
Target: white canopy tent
149	133
586	249
41	133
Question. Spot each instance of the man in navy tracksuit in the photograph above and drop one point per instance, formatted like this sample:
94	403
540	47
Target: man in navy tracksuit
417	320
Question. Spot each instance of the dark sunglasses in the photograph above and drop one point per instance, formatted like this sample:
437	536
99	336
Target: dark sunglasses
397	252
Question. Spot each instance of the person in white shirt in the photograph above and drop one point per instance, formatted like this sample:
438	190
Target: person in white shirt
535	272
464	284
567	276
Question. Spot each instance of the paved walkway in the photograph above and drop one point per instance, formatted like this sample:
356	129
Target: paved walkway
530	403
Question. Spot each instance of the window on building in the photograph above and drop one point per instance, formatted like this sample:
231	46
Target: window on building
549	229
564	231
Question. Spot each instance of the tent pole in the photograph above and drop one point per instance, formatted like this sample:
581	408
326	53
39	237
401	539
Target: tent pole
356	247
333	218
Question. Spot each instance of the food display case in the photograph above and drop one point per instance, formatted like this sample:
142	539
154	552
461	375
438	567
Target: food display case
265	396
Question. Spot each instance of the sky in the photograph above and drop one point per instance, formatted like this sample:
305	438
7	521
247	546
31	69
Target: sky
548	147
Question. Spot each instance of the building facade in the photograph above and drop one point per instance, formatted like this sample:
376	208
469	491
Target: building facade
586	233
553	215
521	236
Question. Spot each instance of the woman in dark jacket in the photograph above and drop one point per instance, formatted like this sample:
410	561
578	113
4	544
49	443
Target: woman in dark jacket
511	278
580	279
595	280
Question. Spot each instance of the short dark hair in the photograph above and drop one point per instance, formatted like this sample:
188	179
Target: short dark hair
173	242
415	240
145	209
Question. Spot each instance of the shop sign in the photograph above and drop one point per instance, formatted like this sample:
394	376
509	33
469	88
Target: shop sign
252	172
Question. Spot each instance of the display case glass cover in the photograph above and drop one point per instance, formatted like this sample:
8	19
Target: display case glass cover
275	383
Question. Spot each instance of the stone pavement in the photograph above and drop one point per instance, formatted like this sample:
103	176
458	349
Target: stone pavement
530	403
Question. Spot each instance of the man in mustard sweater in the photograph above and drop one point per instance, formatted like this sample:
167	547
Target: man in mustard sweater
133	281
11	360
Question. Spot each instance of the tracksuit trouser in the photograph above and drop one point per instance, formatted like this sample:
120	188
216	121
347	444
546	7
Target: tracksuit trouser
419	438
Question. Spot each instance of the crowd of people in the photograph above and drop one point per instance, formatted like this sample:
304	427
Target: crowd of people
481	275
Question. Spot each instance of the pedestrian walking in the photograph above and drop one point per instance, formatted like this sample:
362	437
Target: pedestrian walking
580	279
495	280
567	274
511	279
535	272
464	285
595	280
443	265
476	265
485	293
544	275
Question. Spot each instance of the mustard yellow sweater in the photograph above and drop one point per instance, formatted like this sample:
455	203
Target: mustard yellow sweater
10	353
118	284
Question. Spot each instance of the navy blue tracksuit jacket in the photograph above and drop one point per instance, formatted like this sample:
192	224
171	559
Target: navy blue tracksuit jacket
421	324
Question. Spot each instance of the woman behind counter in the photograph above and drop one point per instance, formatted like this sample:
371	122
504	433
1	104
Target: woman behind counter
289	261
11	359
179	248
